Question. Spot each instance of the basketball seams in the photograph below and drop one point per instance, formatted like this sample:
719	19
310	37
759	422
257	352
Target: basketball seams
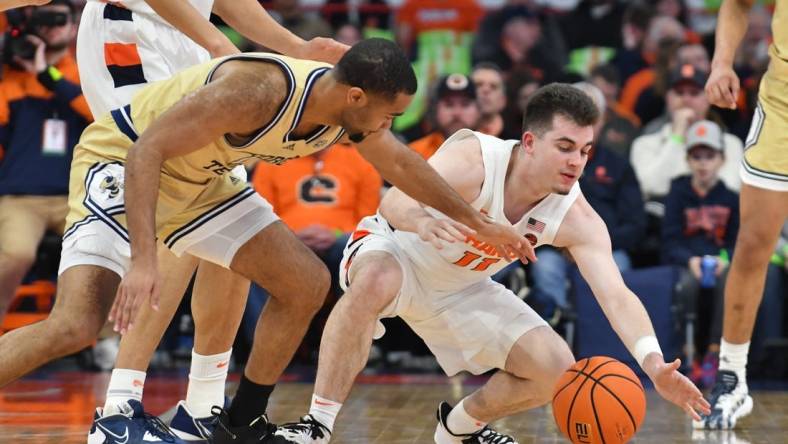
558	392
572	404
574	398
593	409
626	409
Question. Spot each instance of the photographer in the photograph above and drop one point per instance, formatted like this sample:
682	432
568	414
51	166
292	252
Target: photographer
42	114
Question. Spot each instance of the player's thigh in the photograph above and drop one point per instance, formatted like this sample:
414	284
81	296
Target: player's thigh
22	226
278	261
213	279
84	296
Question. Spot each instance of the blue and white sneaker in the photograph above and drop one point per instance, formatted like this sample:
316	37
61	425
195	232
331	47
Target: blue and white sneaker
131	426
730	401
189	428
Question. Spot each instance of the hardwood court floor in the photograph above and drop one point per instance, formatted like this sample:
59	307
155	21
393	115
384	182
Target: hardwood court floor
57	409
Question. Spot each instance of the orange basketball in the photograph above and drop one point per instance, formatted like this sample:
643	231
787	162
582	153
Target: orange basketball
599	400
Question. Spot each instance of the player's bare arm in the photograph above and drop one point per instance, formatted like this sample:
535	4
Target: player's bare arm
464	173
254	23
185	17
409	172
722	88
586	237
9	4
241	99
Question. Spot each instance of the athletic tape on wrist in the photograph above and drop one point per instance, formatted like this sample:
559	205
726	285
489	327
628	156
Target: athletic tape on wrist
644	346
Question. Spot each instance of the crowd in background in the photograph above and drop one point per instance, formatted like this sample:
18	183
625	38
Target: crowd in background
663	173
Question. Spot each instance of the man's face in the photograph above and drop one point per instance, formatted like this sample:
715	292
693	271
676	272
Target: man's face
688	95
695	55
489	91
455	112
56	37
560	154
704	164
372	112
609	90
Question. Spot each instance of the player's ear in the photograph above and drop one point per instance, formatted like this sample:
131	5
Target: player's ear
356	97
528	141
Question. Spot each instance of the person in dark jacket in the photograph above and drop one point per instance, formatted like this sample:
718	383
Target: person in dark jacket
609	184
698	235
42	114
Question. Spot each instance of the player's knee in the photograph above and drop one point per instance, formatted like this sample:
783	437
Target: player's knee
69	336
317	287
19	260
755	247
375	286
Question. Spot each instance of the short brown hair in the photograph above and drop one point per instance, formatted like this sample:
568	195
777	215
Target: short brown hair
558	99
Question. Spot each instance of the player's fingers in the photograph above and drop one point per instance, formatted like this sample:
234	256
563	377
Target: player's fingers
434	241
128	305
154	296
446	235
114	309
690	411
503	252
455	233
462	228
728	96
119	309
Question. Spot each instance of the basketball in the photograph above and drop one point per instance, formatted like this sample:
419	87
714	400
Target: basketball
599	400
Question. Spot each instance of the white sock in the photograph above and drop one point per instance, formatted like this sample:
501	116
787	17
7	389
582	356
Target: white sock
124	384
324	410
461	423
733	357
206	383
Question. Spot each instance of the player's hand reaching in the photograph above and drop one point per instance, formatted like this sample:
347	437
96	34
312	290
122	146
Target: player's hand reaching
722	88
436	231
322	50
674	386
142	282
507	241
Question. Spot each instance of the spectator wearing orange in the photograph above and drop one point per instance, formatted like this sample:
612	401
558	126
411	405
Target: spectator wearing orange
42	114
455	108
323	196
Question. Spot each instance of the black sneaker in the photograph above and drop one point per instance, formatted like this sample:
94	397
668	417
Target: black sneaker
307	431
258	431
484	436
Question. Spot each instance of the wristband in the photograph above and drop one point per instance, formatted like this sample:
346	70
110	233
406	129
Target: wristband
54	73
644	346
49	77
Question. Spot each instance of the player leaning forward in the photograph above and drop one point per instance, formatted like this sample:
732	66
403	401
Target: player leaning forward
409	261
159	167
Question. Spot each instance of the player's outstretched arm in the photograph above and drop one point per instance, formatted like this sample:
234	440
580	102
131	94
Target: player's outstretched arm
722	88
10	4
254	22
585	235
406	170
240	99
185	17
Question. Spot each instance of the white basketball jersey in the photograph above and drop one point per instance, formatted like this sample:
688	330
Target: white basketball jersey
458	265
204	7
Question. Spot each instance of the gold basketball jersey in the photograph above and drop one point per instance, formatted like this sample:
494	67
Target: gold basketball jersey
111	136
779	47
